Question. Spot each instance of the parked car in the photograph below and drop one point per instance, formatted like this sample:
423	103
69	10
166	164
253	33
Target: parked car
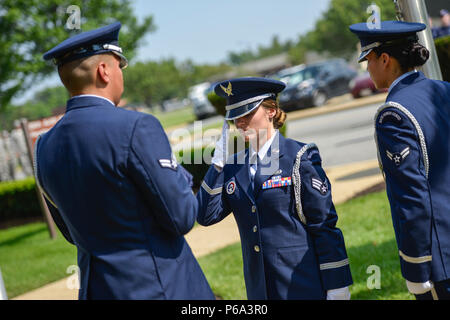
198	95
314	84
285	74
362	85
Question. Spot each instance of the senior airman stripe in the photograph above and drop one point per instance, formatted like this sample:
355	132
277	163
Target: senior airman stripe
414	259
333	265
211	191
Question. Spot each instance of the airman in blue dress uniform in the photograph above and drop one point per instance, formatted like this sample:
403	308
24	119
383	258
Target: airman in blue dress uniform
281	199
112	184
412	131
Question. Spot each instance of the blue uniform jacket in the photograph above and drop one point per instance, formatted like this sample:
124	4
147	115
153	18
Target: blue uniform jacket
284	258
413	134
120	197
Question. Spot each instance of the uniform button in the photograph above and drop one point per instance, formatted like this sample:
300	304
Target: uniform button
255	228
253	209
256	248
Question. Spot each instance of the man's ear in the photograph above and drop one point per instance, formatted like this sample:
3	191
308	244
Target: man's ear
103	72
385	59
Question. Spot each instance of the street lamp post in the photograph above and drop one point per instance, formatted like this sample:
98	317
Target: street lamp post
416	11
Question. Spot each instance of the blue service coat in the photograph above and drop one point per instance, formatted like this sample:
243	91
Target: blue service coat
120	197
290	244
413	134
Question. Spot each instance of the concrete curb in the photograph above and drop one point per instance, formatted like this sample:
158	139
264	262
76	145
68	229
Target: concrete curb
335	107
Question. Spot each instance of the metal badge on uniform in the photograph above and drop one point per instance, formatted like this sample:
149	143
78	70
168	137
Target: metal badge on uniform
228	89
319	185
166	163
398	157
276	182
231	187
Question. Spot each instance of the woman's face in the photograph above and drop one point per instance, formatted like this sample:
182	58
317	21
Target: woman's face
376	68
384	69
257	124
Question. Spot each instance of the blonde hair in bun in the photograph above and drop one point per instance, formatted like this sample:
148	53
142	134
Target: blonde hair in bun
280	116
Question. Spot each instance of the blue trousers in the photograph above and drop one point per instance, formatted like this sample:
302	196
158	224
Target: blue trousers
441	292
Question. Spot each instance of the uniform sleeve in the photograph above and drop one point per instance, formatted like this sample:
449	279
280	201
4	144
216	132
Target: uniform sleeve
54	212
403	159
59	221
213	206
321	218
161	180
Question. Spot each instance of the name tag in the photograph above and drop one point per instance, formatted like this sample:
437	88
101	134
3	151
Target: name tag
277	182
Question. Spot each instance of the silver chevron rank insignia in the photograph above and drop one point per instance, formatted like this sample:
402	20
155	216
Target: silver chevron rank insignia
319	185
398	157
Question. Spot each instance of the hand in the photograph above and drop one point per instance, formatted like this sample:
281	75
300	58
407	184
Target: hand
419	287
338	294
221	150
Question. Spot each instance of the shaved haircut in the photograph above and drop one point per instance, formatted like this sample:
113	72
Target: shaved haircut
80	74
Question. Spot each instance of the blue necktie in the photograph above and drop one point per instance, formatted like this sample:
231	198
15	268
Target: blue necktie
252	169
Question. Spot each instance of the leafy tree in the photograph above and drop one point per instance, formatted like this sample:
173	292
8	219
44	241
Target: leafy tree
42	104
31	27
331	33
153	82
274	48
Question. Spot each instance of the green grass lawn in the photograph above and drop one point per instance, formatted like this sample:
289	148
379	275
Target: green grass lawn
29	259
369	236
178	117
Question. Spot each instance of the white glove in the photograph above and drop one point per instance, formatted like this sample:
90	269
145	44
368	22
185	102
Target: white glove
419	287
221	151
338	294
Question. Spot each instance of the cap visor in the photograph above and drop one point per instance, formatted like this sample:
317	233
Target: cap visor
241	111
123	60
363	55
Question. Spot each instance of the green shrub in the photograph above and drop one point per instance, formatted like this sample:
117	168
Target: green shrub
18	199
218	102
198	171
443	53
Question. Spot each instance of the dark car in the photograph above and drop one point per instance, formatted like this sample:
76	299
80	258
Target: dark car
362	85
314	84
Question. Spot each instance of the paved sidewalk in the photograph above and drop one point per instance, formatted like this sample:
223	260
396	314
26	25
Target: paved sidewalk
346	181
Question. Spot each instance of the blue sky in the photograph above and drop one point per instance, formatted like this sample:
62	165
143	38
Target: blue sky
206	30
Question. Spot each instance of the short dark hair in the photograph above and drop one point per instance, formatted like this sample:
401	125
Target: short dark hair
409	54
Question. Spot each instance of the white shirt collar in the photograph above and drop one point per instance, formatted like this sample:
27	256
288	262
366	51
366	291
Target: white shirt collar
93	95
403	76
263	150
